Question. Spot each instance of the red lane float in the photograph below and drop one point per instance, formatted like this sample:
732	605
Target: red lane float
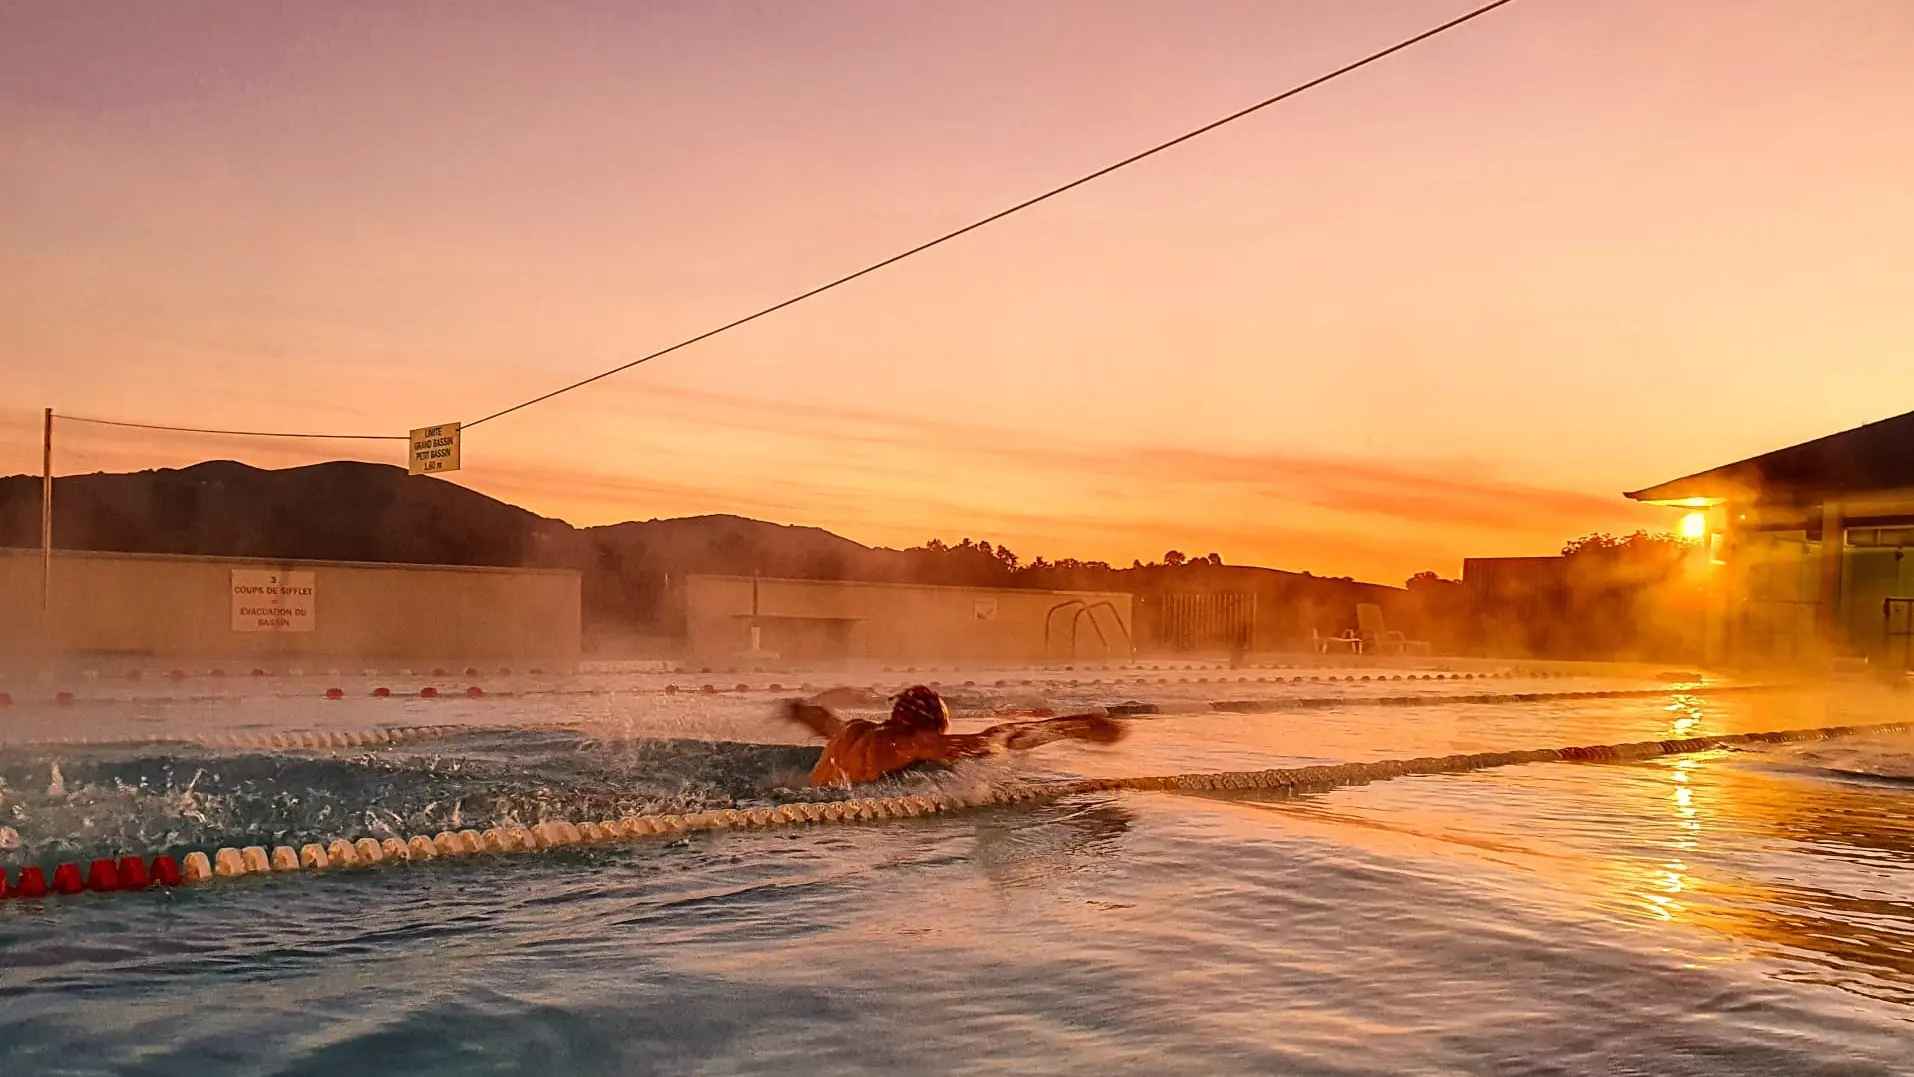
382	692
66	879
335	693
428	692
474	692
33	883
103	875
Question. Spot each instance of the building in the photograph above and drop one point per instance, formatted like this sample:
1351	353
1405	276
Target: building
1516	604
130	606
736	619
1631	602
1809	545
1218	609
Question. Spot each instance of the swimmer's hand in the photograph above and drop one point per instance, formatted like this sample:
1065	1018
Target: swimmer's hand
1095	728
817	719
1091	728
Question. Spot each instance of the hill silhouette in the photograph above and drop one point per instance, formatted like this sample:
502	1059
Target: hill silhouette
340	511
353	511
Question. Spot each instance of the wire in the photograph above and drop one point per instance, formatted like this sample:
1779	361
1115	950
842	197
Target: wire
231	433
1026	204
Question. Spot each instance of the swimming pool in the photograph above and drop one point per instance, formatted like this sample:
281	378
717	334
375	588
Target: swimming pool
1726	912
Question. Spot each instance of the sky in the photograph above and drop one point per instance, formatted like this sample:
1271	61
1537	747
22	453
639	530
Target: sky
1451	305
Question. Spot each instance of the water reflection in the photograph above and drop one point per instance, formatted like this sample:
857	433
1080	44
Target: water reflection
1685	718
1807	873
1019	851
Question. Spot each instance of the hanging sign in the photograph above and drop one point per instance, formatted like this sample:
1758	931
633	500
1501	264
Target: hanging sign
434	448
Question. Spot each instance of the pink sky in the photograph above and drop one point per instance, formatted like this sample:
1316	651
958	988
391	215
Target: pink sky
1449	306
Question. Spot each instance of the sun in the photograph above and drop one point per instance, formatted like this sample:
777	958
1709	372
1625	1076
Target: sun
1694	525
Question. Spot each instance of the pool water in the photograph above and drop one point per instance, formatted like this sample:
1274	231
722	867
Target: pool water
1727	912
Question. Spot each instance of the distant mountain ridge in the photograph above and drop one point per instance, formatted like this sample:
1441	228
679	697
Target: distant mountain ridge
354	511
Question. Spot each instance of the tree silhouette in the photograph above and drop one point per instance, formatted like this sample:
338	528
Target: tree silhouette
1426	581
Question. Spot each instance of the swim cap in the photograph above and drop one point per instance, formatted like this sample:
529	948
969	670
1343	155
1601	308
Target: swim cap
920	708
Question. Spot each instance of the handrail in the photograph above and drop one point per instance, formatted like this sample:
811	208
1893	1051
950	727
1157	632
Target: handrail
1052	612
1090	610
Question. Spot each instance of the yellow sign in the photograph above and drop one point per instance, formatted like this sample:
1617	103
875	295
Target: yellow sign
434	448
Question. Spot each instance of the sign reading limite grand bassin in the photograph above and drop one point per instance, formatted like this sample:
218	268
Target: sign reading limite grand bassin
434	448
268	600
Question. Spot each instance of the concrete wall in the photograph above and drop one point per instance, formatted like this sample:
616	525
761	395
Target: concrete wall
169	606
822	621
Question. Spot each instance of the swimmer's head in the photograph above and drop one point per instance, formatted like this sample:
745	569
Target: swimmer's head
920	708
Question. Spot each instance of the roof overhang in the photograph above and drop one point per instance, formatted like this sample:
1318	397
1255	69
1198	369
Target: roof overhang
1859	463
1649	497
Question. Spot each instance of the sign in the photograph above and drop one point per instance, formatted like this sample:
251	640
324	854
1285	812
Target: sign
434	448
267	600
986	609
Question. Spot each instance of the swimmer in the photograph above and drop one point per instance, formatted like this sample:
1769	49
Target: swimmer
861	751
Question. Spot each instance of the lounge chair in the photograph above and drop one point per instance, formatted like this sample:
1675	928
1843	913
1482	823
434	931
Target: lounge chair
1378	638
1349	641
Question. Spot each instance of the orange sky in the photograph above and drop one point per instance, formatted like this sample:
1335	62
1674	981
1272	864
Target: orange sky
1449	306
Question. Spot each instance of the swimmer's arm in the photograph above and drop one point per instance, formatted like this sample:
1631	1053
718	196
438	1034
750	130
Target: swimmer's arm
1022	736
817	719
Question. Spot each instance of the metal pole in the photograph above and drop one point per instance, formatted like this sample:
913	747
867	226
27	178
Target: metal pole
46	520
1833	539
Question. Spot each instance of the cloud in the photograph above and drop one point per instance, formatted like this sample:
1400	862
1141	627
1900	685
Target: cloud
1417	492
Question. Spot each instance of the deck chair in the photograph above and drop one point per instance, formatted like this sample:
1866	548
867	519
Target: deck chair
1377	638
1349	641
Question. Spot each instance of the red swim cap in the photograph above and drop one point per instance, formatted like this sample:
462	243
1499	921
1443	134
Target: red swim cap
920	707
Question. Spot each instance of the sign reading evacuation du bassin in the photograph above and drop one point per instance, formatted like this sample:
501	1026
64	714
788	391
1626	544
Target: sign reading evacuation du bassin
265	600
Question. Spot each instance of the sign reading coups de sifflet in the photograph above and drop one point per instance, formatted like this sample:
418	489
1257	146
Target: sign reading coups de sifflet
269	600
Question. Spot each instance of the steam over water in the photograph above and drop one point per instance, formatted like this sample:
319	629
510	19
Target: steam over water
1731	912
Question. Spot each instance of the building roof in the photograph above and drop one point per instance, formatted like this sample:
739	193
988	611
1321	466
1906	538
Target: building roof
1878	456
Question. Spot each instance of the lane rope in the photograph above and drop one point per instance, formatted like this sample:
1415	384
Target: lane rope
1261	706
372	736
296	738
197	866
476	691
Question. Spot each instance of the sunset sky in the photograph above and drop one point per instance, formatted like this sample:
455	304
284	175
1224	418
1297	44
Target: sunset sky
1449	306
